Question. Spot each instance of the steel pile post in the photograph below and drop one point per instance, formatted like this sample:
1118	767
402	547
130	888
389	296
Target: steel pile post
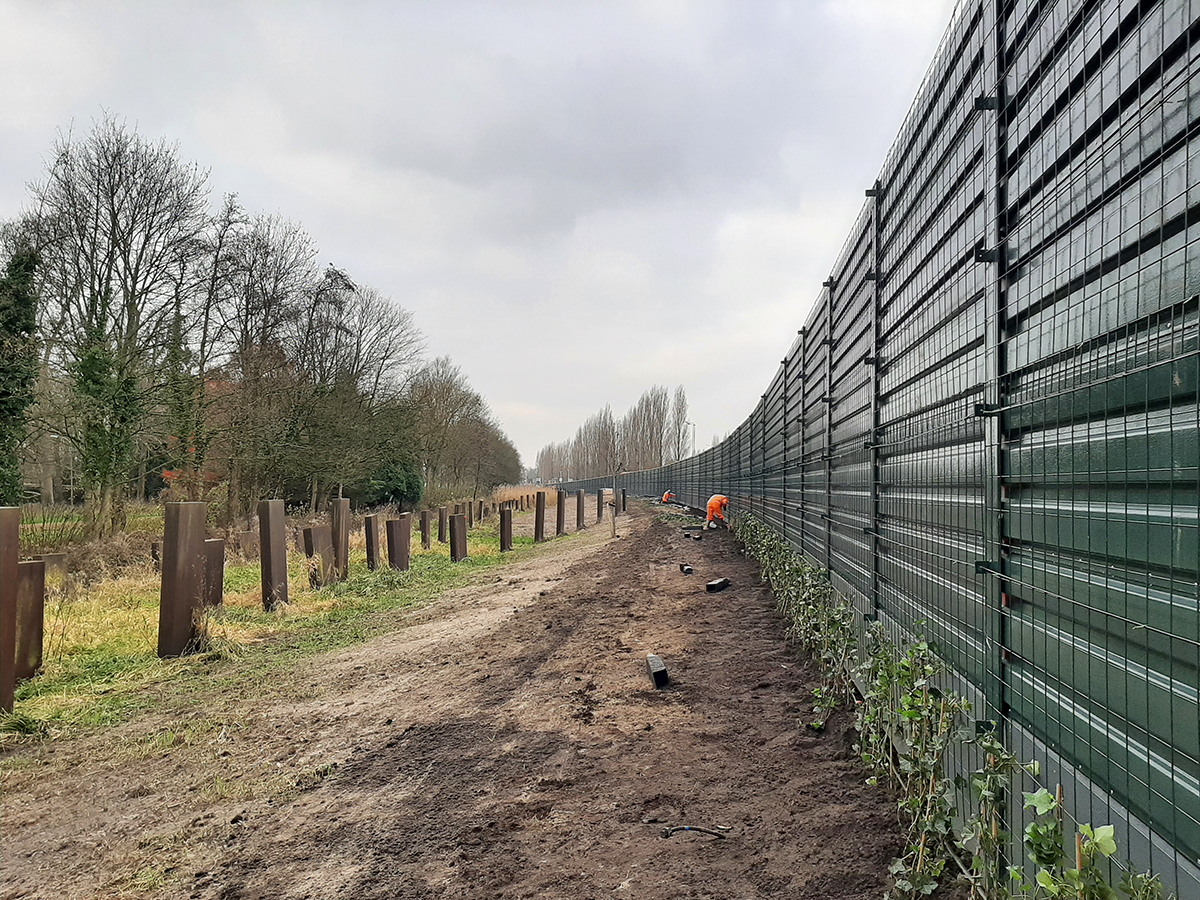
425	544
458	538
579	510
10	519
442	525
213	588
600	505
506	515
182	576
539	518
470	514
560	524
272	541
340	533
371	532
399	541
31	617
623	500
318	548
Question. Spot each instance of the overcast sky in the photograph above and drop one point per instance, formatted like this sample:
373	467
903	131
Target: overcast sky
576	200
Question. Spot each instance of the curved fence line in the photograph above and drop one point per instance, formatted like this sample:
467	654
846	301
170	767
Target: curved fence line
988	431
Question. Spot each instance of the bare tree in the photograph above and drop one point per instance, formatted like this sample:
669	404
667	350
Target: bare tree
677	427
118	217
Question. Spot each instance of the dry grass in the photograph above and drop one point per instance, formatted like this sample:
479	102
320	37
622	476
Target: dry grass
526	490
100	646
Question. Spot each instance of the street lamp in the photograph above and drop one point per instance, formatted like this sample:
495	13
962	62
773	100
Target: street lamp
693	424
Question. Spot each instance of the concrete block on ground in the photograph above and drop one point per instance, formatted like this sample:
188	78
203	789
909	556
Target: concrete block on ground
717	584
657	671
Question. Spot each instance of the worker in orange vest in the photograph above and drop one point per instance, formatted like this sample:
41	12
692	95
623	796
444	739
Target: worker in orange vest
718	504
668	497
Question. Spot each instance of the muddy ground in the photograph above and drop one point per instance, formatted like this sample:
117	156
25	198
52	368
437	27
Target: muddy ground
506	742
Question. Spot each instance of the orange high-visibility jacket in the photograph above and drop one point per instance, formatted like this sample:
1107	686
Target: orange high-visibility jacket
716	506
668	497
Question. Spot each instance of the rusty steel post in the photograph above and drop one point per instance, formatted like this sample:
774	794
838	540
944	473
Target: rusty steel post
560	524
399	541
600	505
442	525
181	594
623	500
318	547
272	542
458	538
213	587
340	528
470	514
425	543
371	529
579	510
479	511
506	529
539	518
10	525
31	617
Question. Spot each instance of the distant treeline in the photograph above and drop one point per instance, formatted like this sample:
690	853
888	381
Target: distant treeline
654	432
150	341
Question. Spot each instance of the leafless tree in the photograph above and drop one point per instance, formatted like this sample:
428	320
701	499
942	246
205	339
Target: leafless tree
117	219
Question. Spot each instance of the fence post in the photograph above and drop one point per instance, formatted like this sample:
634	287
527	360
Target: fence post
371	532
458	538
339	525
600	505
31	617
399	541
442	525
623	500
425	543
506	529
10	524
214	572
579	510
560	523
470	505
273	553
539	518
318	548
182	574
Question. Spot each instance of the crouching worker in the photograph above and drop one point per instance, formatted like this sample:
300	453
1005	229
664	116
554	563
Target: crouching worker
718	506
668	497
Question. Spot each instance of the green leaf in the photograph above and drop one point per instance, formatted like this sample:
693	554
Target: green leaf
1043	801
1105	841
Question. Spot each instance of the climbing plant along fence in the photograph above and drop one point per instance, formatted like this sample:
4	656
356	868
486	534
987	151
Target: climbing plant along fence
988	430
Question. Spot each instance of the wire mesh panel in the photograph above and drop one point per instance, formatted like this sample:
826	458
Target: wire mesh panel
989	428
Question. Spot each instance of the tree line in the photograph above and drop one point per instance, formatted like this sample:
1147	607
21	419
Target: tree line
149	341
653	433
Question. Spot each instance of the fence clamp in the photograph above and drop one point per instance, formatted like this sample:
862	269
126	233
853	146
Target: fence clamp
987	566
987	255
982	103
987	409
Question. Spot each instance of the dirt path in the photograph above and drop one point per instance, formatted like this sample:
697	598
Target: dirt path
506	744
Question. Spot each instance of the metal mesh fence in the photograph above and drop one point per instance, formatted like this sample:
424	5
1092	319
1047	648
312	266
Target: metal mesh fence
989	429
